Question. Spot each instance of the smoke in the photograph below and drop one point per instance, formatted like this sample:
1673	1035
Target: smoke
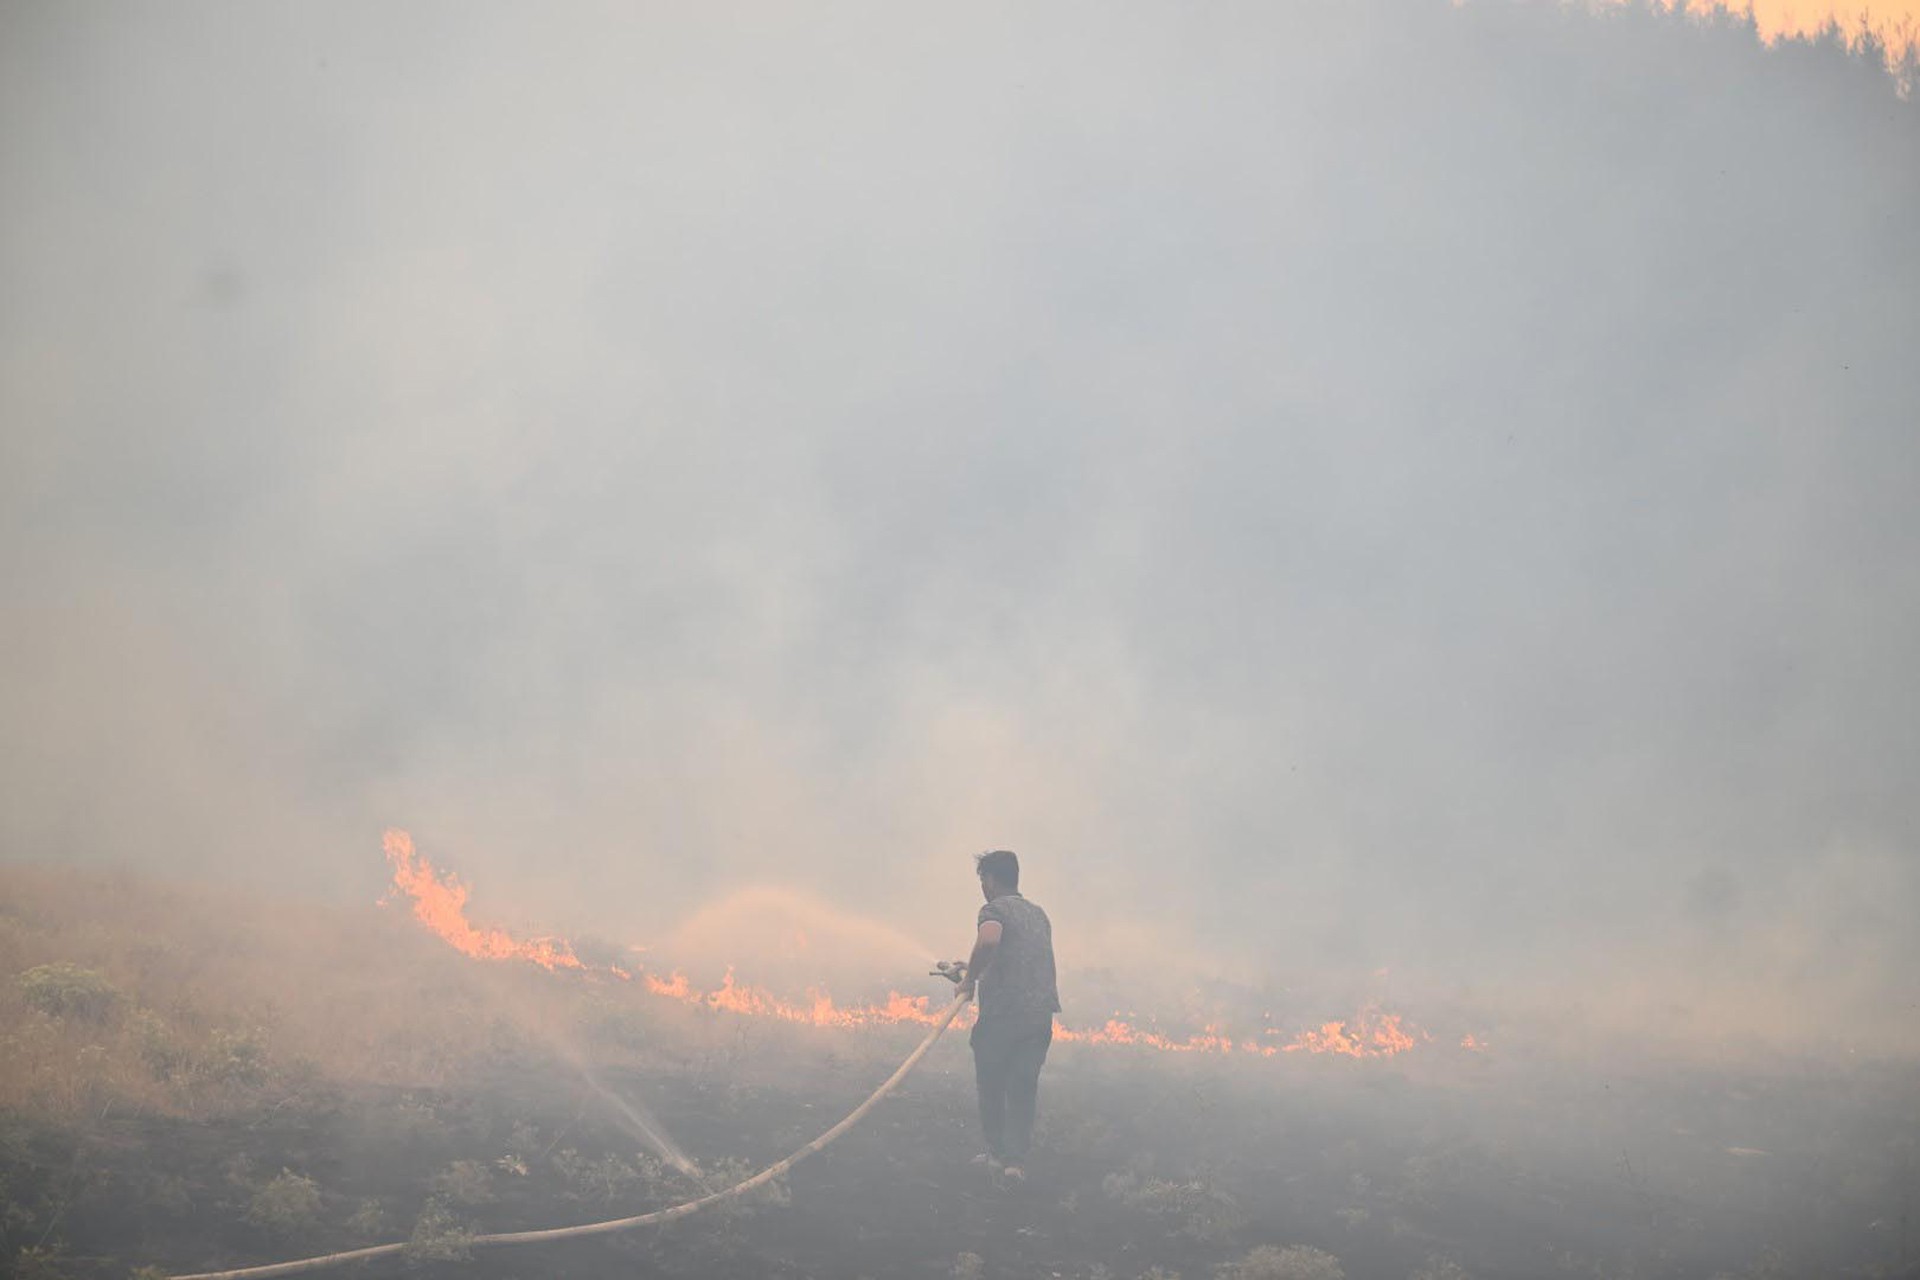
1346	487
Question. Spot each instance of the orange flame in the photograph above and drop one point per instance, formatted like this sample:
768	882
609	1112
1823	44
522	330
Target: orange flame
733	996
1372	1036
674	988
439	902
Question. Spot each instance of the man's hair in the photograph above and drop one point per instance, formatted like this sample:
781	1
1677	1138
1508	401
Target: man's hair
1001	865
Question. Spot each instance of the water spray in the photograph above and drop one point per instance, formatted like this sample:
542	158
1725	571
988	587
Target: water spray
642	1125
637	1120
953	971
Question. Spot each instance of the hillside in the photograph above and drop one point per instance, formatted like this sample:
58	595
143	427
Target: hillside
216	1080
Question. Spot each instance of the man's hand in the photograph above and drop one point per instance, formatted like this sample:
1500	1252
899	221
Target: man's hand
955	971
983	945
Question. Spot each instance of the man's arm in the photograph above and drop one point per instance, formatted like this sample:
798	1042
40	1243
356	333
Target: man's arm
983	945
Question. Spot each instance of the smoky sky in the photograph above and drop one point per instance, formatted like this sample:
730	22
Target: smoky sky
1336	486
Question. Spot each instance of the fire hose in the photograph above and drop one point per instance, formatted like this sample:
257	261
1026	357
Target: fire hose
687	1209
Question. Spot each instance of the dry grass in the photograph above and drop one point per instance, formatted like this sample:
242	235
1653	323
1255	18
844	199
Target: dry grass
220	997
224	1000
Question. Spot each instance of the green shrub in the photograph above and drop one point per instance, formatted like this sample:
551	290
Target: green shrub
608	1179
286	1205
160	1049
368	1221
464	1182
68	991
439	1235
234	1057
1191	1207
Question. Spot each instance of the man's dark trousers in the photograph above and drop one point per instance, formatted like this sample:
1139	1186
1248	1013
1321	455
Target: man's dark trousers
1007	1053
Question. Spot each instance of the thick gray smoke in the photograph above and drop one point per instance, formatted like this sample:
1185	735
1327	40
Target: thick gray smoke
1336	486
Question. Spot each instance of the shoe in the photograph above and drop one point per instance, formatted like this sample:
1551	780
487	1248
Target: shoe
1013	1173
988	1161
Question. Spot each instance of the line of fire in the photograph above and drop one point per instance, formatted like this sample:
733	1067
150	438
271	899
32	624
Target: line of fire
438	900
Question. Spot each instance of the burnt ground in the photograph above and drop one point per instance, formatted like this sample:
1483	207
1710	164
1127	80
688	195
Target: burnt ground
1396	1168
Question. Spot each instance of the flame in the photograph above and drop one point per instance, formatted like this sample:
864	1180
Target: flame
819	1010
674	988
1775	21
1373	1035
439	902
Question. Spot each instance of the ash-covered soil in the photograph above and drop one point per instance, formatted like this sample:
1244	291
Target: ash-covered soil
1187	1167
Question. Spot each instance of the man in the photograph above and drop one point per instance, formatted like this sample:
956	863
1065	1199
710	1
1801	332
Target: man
1012	968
